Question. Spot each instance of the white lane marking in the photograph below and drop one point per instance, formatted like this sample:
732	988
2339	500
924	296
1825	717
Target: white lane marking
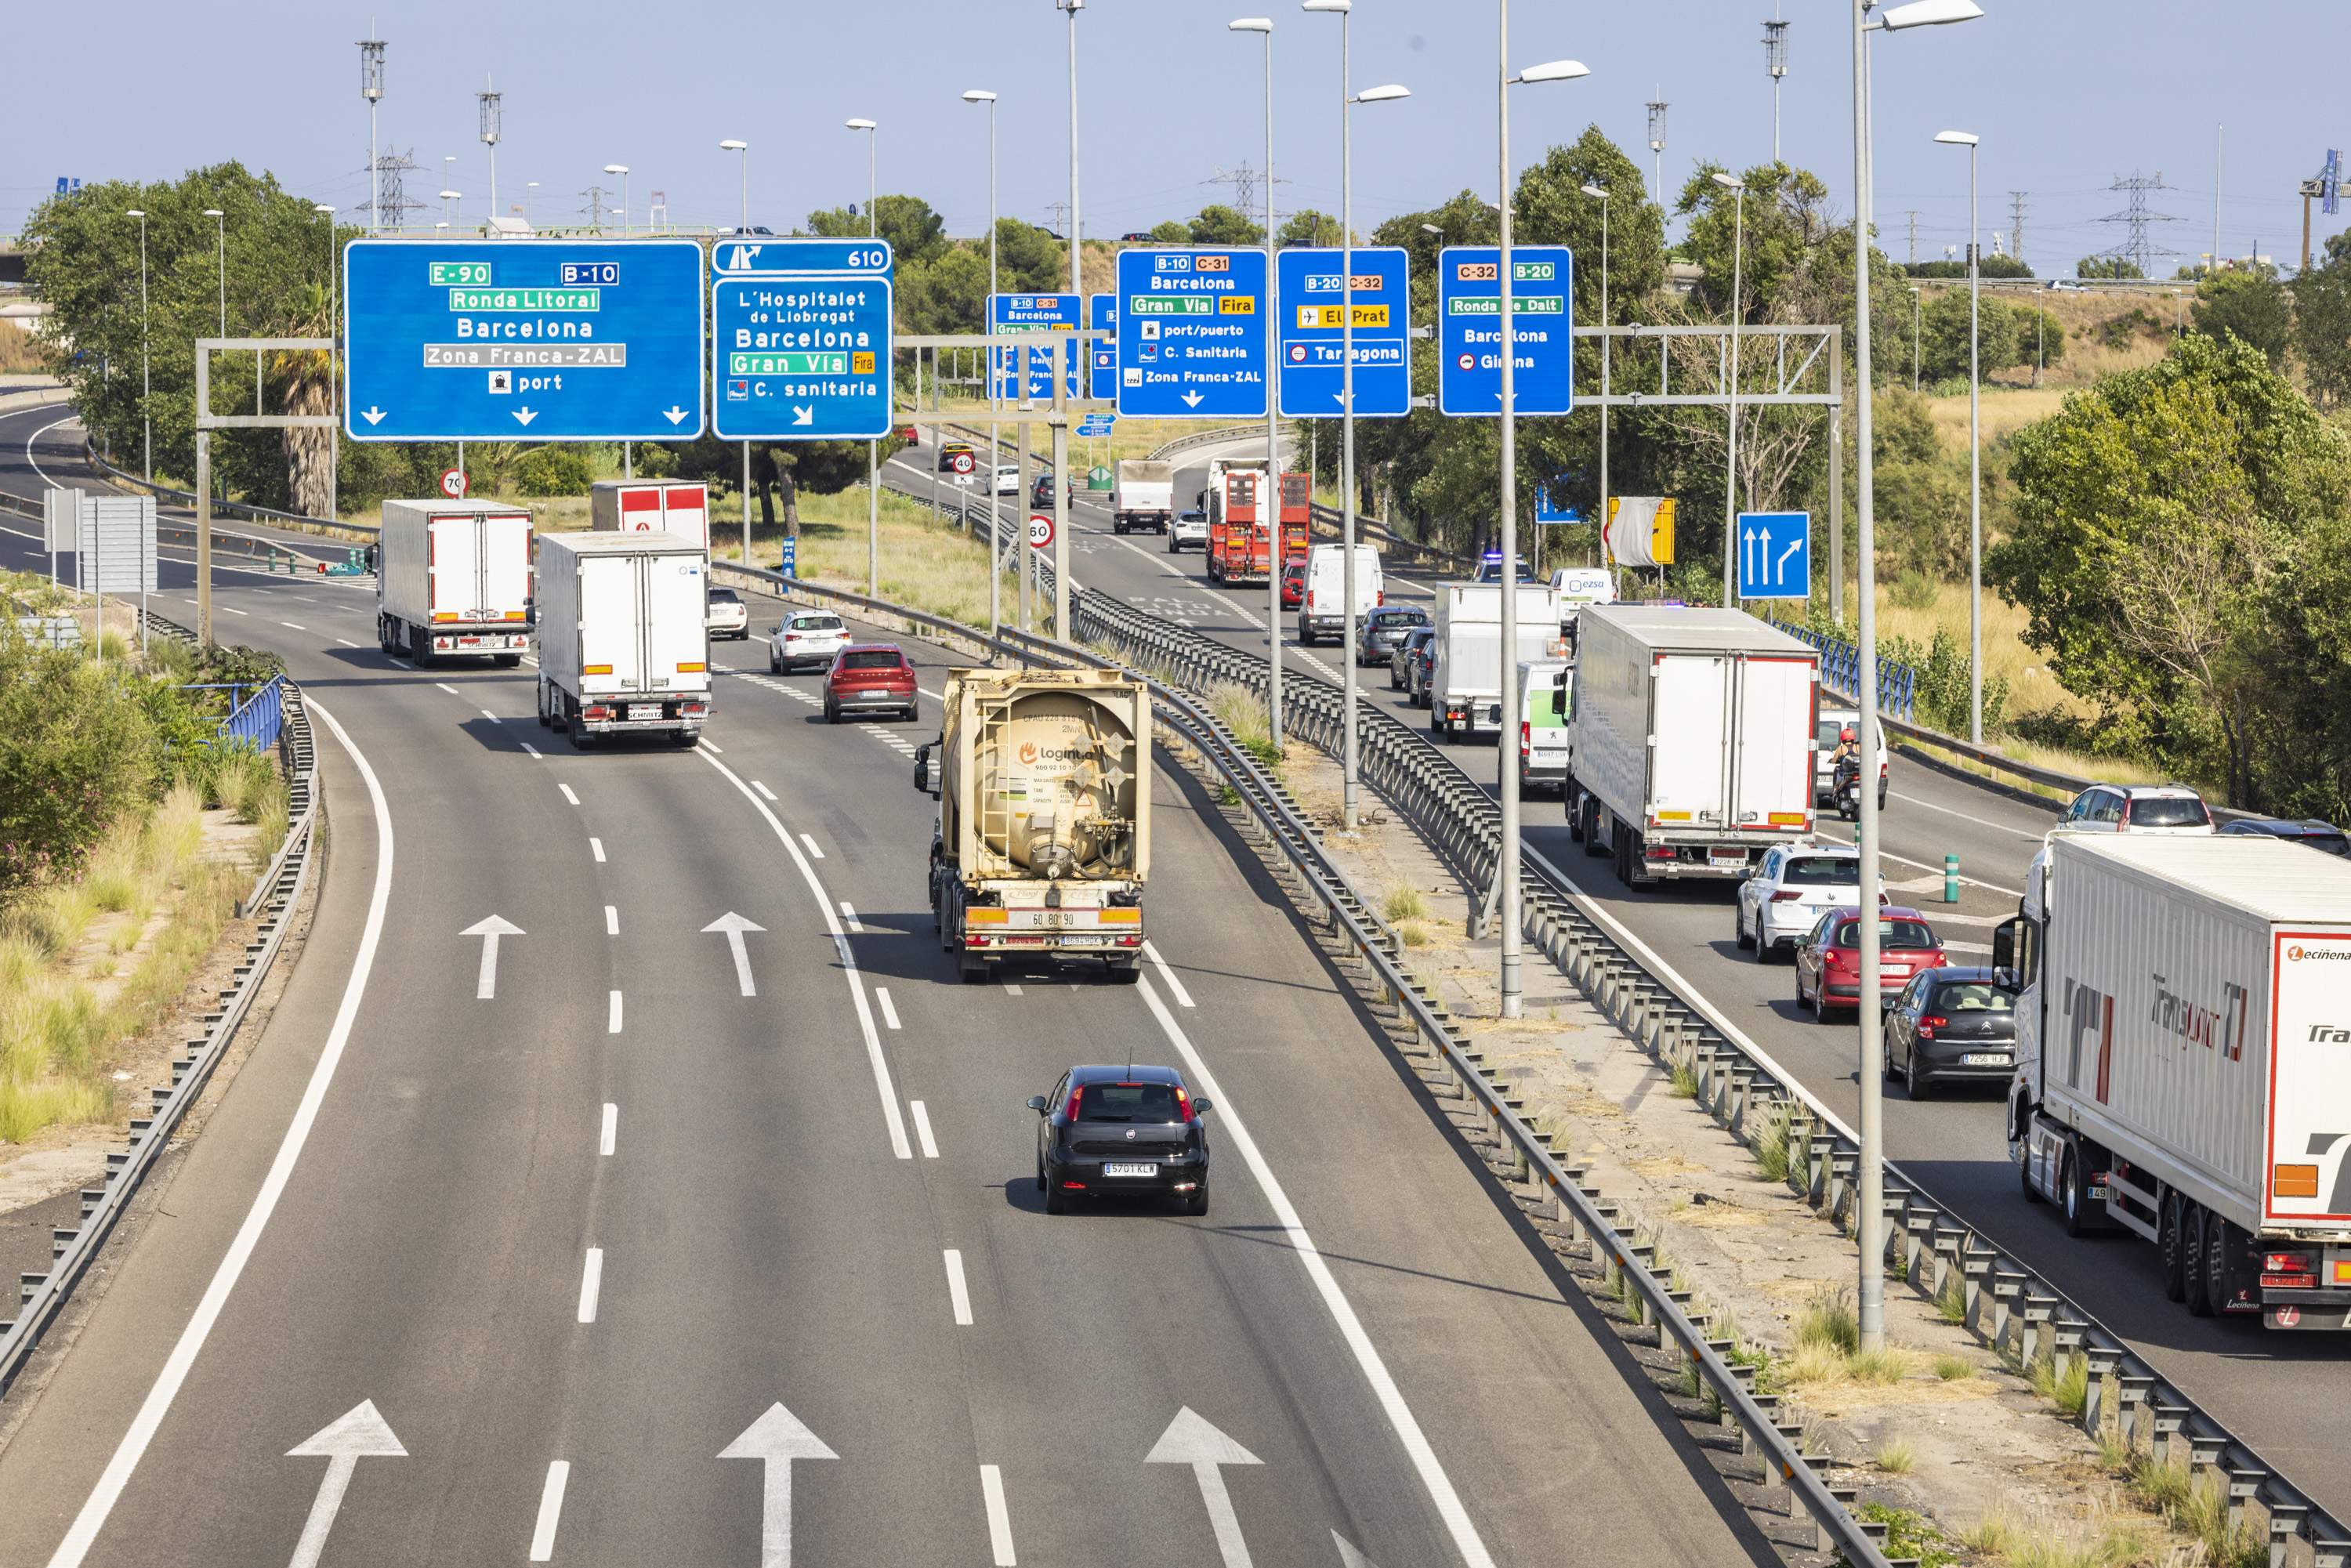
291	627
1000	1519
612	1015
1964	817
596	848
1011	990
716	749
889	1012
1151	951
491	716
1433	1478
527	745
611	920
347	642
812	848
568	795
923	1129
1927	866
447	687
765	793
401	663
591	1283
958	1296
849	913
880	1064
934	697
104	1495
233	610
610	1139
550	1510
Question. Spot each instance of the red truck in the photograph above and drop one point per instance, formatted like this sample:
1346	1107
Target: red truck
1237	549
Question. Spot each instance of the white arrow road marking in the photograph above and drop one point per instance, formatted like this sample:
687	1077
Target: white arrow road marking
489	929
1189	1441
1348	1556
734	925
777	1438
359	1434
1780	569
525	416
550	1511
372	415
803	415
1000	1518
675	414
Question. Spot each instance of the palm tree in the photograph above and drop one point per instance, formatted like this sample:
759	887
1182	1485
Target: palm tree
304	384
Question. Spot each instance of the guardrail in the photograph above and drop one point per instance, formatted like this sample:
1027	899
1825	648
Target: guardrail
1898	684
1609	1241
279	888
259	514
1205	438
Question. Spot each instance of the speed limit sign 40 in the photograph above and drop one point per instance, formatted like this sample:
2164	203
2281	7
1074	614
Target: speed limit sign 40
1040	530
961	462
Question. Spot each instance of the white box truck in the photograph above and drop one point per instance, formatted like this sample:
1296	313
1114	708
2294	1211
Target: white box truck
1143	496
1322	597
679	507
2184	1062
452	580
1690	740
621	646
1465	672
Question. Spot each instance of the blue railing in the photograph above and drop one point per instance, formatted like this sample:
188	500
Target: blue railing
1897	685
253	720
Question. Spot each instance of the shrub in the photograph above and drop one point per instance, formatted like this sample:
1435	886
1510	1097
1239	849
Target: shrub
554	471
1914	590
1404	904
76	752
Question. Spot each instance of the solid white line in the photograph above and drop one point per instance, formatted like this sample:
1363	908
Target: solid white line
716	748
1151	950
596	848
923	1129
612	1015
591	1281
999	1520
527	745
568	795
447	687
491	716
889	1013
1963	816
765	793
848	917
611	920
812	848
158	1403
550	1510
1433	1478
291	627
879	1062
611	1129
959	1297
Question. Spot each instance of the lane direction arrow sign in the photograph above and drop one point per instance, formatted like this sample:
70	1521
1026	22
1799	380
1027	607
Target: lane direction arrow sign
777	1438
734	925
1190	1440
1775	555
815	348
485	983
359	1434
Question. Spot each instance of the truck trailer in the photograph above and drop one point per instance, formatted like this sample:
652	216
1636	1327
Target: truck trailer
679	507
1143	496
454	581
2183	1069
1043	779
1464	667
1690	737
622	648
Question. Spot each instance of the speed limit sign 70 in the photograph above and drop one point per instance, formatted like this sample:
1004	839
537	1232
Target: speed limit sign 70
453	484
1040	530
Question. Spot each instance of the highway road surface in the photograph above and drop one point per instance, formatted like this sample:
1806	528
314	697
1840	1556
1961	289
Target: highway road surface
608	1249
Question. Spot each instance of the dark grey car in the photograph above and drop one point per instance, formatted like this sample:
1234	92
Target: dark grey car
1384	631
1409	652
1113	1132
1953	1025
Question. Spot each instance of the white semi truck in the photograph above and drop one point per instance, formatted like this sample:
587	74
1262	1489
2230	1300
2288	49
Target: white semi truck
1043	779
454	581
2184	1062
1465	671
679	507
622	644
1143	496
1690	740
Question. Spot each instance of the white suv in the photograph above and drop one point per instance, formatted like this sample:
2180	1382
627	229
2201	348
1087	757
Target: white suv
806	637
1188	528
1791	888
2136	808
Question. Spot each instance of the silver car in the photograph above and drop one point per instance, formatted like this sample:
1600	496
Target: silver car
1189	528
2136	808
805	638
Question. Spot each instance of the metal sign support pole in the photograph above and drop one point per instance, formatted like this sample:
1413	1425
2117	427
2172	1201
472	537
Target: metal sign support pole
204	521
1064	366
747	502
1021	526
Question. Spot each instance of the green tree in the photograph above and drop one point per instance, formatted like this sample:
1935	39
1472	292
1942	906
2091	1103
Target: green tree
2321	327
1171	232
1786	211
914	232
2106	266
1220	224
2254	304
1991	266
1309	228
2005	335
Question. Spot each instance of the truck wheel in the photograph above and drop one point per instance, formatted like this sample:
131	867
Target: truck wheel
2200	1294
2219	1263
971	971
2025	1175
1575	814
2174	1245
507	661
545	722
2072	1196
1621	842
1592	844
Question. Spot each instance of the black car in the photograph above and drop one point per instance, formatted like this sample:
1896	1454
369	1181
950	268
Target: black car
1384	631
1109	1131
1953	1025
2317	834
1400	661
1042	493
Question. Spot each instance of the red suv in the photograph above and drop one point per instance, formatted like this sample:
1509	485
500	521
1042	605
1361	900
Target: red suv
1830	958
869	677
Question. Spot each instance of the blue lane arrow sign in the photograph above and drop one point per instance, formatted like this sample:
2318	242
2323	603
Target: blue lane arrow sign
522	340
1313	292
1547	510
801	358
1775	555
1101	315
1191	334
1017	316
1470	329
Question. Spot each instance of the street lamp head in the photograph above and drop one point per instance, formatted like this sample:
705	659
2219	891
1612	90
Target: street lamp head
214	213
616	167
1383	93
1956	138
731	145
858	124
979	95
1432	229
134	212
1340	6
1250	24
453	196
1553	70
1928	13
1729	182
1597	192
322	207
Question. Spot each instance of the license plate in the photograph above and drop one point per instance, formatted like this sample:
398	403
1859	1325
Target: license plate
1984	1058
645	710
1729	857
1082	941
1130	1170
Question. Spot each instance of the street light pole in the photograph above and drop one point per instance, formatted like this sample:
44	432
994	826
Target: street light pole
146	383
334	382
873	448
220	226
994	438
742	226
1061	427
1731	468
1264	24
1600	523
1975	452
622	171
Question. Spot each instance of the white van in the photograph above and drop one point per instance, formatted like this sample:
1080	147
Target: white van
1578	586
1322	607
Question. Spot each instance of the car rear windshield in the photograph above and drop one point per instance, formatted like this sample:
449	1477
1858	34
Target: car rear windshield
1401	617
1129	1102
816	622
1974	997
1820	871
1894	936
2333	843
873	659
725	596
2167	811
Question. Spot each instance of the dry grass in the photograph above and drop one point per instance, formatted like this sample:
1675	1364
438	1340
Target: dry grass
1828	1347
1404	904
925	563
1898	1457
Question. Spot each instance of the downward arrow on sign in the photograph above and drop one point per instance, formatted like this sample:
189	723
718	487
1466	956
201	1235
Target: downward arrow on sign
372	415
675	414
1191	400
525	416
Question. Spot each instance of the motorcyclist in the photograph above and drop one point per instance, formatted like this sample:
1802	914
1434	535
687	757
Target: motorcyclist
1844	762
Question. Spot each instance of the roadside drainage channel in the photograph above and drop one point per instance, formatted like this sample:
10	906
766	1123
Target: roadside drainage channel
1520	1153
275	895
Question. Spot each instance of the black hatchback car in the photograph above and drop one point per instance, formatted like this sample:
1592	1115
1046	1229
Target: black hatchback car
1113	1131
2317	834
1953	1025
1384	631
1409	652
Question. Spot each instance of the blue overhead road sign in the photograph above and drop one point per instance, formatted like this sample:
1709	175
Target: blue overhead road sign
1470	329
1313	292
1191	334
1775	555
1101	315
522	340
775	257
802	357
1017	318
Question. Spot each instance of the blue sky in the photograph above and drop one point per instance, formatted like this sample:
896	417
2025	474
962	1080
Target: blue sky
2067	94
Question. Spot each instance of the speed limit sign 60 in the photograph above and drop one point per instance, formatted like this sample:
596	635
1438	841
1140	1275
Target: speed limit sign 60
1040	530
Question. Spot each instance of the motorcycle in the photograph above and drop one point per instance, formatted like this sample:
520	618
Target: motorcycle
1846	787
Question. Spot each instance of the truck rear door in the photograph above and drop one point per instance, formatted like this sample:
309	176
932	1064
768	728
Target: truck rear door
2309	1159
1689	741
1772	763
612	650
452	567
505	568
676	645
